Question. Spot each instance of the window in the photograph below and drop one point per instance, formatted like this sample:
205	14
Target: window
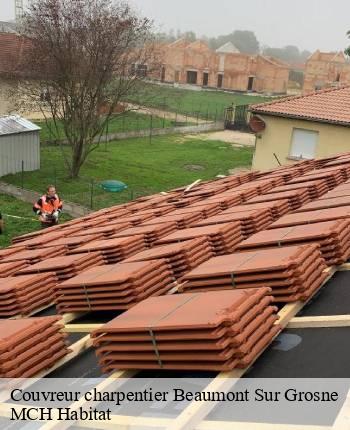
191	77
304	143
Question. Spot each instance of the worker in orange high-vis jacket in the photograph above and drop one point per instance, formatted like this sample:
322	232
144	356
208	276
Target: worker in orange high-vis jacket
48	207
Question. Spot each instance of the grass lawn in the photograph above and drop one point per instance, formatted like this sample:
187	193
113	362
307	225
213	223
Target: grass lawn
146	168
17	226
129	121
207	103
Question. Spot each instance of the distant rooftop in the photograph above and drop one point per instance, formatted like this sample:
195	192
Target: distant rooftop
228	48
14	124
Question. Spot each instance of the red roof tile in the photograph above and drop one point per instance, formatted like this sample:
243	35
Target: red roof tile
330	106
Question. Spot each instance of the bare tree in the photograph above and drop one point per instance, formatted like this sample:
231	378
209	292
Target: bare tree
83	55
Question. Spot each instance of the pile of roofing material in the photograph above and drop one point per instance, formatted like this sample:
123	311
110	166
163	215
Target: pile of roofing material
73	241
333	178
67	266
181	257
30	345
114	250
225	200
182	220
21	295
332	236
7	252
223	238
344	169
339	191
315	188
296	198
206	209
38	241
324	203
251	221
292	272
151	233
216	331
105	230
277	208
9	269
182	201
310	217
133	220
157	211
114	287
33	256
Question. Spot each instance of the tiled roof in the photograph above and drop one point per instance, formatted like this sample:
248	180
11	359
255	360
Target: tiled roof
329	106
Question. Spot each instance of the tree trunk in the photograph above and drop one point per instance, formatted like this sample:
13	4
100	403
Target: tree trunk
77	160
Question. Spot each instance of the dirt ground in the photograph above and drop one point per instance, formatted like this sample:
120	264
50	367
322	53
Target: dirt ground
237	138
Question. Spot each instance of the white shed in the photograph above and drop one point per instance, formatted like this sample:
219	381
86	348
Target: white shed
19	145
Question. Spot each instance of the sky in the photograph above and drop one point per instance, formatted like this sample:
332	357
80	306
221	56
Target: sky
308	24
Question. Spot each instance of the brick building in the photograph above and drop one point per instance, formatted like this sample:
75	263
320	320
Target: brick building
227	68
326	70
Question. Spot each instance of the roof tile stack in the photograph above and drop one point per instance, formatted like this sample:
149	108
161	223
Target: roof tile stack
33	256
315	188
223	238
296	198
311	217
181	257
277	208
74	241
225	200
21	295
293	273
10	269
251	221
332	236
114	250
339	191
7	252
67	266
182	220
104	230
207	209
28	346
114	287
333	178
324	203
216	331
151	233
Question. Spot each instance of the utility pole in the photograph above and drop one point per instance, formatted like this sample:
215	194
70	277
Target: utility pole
18	10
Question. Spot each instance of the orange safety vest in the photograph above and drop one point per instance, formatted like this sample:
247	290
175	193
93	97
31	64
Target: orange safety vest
49	206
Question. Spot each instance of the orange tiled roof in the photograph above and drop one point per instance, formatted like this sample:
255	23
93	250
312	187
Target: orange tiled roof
330	106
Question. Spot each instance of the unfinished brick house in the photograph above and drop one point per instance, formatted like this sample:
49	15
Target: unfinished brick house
227	68
326	70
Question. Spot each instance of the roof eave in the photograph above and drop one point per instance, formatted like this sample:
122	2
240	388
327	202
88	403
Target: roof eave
301	117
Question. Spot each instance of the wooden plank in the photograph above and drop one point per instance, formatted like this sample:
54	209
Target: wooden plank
342	421
344	267
189	188
71	316
81	328
125	422
320	321
104	385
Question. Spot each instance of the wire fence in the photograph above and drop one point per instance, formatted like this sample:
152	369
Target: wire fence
132	123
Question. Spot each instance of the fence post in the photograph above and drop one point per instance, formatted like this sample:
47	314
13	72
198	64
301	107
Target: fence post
197	116
123	125
150	129
216	113
22	175
164	120
175	119
92	194
55	176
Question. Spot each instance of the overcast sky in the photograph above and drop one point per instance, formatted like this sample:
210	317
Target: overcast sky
309	24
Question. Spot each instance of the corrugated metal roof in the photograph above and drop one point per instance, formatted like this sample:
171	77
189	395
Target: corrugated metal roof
15	124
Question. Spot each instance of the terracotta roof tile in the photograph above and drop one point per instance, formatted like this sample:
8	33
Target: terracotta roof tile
330	106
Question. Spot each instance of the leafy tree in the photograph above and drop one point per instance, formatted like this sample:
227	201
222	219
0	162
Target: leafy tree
84	56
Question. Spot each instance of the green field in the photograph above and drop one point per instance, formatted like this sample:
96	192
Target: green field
12	208
146	167
206	103
129	121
